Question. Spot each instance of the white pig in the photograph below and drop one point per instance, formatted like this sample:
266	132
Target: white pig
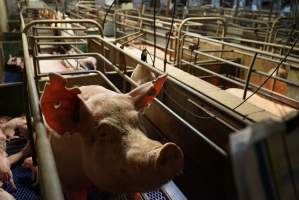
142	74
5	195
5	172
10	126
105	146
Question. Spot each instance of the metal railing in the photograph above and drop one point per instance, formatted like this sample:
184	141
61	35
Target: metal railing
50	185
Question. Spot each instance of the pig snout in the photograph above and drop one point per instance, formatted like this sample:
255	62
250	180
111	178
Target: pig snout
170	159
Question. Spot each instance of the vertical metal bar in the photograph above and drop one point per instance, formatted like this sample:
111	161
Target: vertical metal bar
28	119
195	58
50	185
249	74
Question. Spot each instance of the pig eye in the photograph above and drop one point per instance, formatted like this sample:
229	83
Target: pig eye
108	131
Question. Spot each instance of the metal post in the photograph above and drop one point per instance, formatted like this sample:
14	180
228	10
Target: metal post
249	75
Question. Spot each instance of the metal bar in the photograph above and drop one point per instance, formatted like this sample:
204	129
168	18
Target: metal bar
50	185
28	120
126	36
249	75
69	21
217	50
130	40
241	47
212	115
59	28
263	43
60	43
241	82
246	68
267	58
213	73
179	32
86	72
221	59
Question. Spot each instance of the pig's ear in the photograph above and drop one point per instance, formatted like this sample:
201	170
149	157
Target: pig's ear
144	94
60	105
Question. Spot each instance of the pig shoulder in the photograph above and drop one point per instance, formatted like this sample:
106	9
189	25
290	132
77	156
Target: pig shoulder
68	157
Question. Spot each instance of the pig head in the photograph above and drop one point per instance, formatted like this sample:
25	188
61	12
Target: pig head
101	139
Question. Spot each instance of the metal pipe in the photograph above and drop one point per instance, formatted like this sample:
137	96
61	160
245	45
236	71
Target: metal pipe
213	73
126	36
263	43
179	32
50	185
240	82
221	59
241	47
249	75
130	40
267	58
59	28
69	21
60	43
246	68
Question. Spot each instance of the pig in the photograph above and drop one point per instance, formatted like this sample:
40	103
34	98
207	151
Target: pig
5	162
10	126
12	60
28	163
5	195
89	62
100	142
142	74
4	119
5	172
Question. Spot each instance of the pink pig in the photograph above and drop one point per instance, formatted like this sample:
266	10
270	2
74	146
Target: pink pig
9	127
5	195
105	146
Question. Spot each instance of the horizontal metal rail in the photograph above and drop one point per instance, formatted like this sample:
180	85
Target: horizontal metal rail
250	49
60	28
180	29
275	95
246	68
69	21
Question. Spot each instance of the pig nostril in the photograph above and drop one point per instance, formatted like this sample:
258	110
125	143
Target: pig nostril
170	155
103	135
123	171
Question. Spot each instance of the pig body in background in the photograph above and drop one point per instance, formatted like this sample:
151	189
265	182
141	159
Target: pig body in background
89	62
105	146
9	127
28	163
142	74
4	119
5	195
5	172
